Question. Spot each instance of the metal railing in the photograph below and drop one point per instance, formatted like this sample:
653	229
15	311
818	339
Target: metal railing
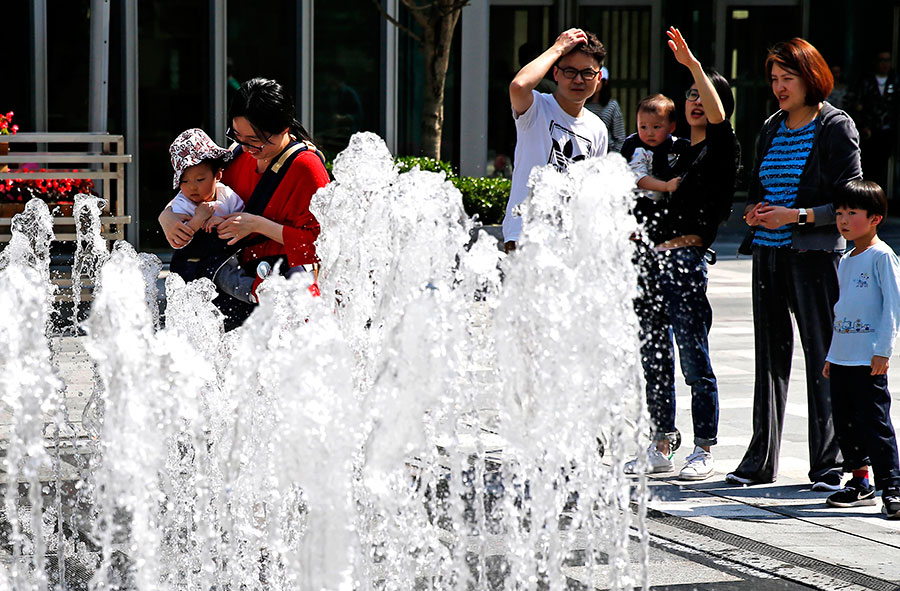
104	161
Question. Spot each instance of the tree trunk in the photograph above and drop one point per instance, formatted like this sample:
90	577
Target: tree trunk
438	20
438	37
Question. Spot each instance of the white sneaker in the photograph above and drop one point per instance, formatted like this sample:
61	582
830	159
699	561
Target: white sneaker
698	465
656	462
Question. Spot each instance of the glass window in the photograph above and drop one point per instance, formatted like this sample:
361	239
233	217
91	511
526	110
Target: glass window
173	95
16	95
518	35
625	33
750	30
411	96
262	42
346	72
68	65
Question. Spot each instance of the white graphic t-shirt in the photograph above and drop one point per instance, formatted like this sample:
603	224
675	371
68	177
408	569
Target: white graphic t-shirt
548	135
867	314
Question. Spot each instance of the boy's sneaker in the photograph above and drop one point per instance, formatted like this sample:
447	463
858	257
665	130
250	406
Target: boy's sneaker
891	500
698	465
828	482
854	494
656	462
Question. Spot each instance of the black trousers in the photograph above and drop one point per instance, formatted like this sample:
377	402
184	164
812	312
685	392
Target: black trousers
862	421
802	283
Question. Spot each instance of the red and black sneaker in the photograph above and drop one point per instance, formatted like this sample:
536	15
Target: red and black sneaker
856	493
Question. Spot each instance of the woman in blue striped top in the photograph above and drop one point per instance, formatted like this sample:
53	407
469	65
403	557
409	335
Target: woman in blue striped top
805	150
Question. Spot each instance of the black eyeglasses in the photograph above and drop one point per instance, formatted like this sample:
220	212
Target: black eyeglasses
230	135
586	74
692	94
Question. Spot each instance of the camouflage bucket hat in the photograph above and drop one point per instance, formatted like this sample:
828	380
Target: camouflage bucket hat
191	148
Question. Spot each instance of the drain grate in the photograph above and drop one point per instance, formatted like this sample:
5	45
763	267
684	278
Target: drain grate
786	556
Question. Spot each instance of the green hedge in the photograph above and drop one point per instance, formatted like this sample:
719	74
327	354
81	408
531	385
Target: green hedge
407	163
484	197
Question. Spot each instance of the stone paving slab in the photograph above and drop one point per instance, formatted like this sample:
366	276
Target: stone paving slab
786	514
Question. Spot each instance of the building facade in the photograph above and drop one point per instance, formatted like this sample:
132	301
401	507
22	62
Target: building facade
153	68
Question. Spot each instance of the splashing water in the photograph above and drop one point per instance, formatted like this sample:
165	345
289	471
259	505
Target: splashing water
431	422
91	250
29	389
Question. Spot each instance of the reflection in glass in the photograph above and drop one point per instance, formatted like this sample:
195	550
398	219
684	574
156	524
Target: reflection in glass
518	35
346	72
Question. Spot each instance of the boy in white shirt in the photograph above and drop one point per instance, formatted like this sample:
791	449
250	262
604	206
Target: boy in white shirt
866	323
554	128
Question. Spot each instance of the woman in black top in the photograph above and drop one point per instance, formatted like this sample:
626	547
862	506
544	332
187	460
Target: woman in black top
680	228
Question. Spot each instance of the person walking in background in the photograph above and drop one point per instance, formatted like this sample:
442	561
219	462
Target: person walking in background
603	105
876	116
805	151
866	322
672	298
554	128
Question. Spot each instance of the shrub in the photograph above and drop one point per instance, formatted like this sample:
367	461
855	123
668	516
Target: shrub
407	163
484	197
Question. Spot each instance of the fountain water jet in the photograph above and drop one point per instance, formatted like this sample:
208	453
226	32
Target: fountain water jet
422	425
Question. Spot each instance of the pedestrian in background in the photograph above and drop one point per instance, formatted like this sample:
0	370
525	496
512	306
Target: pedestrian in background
877	100
603	105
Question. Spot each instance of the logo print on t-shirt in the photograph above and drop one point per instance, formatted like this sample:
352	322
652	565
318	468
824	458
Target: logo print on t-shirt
567	146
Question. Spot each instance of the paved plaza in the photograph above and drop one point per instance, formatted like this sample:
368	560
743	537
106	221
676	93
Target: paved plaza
712	535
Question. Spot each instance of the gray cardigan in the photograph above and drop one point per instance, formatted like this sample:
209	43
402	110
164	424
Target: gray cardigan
833	160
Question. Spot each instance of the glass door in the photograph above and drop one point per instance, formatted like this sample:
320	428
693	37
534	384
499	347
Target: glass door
626	32
750	31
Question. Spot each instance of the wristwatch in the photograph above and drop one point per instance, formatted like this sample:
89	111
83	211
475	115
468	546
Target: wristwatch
801	217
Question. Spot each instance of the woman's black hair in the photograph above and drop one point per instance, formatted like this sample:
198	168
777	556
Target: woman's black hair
267	107
723	89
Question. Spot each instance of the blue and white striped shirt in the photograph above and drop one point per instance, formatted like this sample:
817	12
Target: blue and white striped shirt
779	175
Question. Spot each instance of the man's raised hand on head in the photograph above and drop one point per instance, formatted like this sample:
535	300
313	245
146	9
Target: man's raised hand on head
532	73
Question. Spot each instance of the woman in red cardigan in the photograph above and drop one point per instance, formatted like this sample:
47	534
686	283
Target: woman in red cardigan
276	170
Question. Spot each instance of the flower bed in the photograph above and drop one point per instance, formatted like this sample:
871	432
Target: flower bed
52	191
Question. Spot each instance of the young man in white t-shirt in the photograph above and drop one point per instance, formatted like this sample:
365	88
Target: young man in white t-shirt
554	128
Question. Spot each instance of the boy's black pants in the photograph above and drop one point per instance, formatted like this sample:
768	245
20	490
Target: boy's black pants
861	405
